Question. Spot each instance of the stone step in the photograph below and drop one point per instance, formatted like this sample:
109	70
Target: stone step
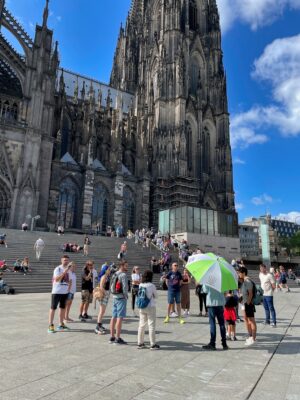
102	249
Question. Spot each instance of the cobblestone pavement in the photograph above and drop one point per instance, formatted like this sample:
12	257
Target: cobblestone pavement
81	365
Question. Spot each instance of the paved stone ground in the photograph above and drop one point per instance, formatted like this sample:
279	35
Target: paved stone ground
81	365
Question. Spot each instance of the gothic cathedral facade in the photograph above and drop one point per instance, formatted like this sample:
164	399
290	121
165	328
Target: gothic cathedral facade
79	153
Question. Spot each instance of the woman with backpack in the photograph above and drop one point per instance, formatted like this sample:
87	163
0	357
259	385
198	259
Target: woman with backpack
146	302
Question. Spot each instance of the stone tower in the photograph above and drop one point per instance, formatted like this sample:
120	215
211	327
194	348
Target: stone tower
169	56
27	91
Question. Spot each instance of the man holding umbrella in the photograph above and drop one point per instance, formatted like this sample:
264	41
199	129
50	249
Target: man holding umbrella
215	302
217	277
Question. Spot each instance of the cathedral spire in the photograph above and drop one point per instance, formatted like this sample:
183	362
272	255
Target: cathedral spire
55	57
62	82
214	18
2	5
76	91
46	14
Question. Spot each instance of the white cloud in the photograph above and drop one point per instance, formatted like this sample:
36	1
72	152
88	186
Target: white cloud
279	65
256	13
239	206
237	160
243	129
262	200
293	216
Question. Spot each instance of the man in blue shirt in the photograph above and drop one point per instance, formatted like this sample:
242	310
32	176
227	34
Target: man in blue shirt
215	302
174	282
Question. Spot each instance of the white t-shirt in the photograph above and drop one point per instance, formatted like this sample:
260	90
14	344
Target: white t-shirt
151	293
135	277
266	282
72	277
60	287
39	243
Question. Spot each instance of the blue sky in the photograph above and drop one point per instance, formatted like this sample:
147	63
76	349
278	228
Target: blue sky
261	44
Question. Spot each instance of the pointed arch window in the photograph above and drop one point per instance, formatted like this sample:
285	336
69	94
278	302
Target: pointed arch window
100	207
15	112
67	204
5	204
128	209
189	146
195	76
206	151
193	15
65	137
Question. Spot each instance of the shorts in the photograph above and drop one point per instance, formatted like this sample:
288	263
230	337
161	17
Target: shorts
58	299
230	322
86	297
70	296
174	295
249	310
119	308
104	301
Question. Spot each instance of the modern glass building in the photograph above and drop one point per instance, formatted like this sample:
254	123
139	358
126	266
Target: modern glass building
199	221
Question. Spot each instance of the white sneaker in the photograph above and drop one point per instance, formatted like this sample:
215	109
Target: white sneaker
173	315
185	314
249	342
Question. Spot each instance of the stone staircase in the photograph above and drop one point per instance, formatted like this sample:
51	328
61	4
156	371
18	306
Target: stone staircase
20	244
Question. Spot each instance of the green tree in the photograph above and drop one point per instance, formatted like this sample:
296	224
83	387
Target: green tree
291	244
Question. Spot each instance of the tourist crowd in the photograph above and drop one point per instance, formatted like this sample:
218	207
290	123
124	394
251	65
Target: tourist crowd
114	282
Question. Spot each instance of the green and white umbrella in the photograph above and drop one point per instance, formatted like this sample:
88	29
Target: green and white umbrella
214	271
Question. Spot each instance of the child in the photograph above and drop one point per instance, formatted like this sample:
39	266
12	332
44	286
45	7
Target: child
277	279
230	314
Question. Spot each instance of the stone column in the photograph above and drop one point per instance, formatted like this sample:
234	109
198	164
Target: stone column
88	199
145	202
118	209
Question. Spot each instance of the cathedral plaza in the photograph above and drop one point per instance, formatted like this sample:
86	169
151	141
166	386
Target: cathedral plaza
149	151
81	365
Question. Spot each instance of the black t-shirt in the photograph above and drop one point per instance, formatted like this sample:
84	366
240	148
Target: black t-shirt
174	279
87	285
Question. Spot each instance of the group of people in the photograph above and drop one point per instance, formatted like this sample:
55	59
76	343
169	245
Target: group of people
18	266
113	282
70	247
22	266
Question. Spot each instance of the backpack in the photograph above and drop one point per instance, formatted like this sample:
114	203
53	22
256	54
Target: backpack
116	285
258	294
142	301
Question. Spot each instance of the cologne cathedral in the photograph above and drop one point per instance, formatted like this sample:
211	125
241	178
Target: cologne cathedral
80	153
